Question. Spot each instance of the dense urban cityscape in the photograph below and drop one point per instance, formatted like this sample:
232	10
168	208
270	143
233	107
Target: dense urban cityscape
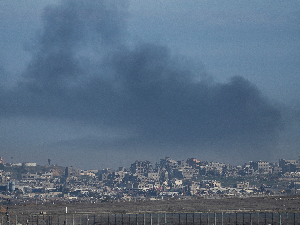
29	182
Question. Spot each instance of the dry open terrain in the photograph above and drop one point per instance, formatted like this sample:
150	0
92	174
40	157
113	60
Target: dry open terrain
275	204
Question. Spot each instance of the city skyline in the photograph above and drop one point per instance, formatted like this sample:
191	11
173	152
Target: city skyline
32	163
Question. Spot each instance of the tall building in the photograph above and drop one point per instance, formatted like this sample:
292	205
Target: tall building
71	171
141	167
260	166
288	165
11	186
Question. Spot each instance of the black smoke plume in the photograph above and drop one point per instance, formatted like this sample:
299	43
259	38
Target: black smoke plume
83	70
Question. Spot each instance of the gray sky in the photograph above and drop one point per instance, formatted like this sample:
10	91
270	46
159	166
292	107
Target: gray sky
98	84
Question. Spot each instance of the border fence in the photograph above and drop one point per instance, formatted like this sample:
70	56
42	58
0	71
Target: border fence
203	218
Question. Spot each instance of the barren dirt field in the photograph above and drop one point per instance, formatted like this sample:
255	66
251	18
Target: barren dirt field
274	204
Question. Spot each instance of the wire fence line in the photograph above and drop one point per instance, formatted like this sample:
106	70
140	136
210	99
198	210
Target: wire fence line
202	218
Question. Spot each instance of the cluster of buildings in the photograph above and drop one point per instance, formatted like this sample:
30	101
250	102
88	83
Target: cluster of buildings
143	180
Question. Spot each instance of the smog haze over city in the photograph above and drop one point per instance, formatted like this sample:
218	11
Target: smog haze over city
98	84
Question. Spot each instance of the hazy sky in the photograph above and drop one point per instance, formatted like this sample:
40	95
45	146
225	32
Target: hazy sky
98	84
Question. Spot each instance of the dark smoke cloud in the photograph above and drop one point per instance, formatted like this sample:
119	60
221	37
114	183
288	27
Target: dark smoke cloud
82	70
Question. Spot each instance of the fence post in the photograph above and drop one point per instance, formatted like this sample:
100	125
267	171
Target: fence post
200	218
265	218
215	218
294	218
272	217
279	218
165	218
222	218
207	218
243	218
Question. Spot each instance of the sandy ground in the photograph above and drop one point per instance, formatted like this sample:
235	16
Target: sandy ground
254	204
